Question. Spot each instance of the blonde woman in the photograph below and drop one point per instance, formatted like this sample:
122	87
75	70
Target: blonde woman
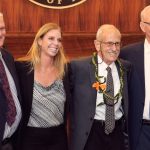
44	90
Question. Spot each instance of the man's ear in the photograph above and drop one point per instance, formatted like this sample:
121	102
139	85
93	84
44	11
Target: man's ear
142	26
97	45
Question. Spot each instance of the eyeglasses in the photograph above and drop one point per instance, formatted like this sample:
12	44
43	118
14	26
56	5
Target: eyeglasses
148	23
2	29
110	44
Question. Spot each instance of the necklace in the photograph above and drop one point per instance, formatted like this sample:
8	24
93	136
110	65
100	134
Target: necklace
99	84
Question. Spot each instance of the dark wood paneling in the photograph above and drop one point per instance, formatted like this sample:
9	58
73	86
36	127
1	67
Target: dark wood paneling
129	16
24	16
78	24
75	45
147	2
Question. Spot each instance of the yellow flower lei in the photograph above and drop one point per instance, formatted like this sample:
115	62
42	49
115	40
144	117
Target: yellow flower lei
100	87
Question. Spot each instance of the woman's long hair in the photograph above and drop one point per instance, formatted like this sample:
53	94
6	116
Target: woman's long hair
34	54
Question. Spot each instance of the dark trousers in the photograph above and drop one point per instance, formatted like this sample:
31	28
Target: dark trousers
98	140
144	140
6	144
53	138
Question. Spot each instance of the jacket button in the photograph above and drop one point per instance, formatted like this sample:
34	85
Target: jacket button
86	133
91	119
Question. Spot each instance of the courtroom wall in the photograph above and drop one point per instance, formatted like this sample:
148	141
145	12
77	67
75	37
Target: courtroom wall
79	24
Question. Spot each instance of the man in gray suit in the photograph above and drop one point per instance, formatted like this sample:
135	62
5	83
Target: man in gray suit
98	117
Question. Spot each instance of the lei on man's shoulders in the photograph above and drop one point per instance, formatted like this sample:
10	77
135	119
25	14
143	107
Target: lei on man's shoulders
100	86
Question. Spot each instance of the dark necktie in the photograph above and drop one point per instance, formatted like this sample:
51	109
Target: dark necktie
11	109
109	116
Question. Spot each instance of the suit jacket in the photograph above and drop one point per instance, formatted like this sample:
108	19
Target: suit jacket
83	102
9	60
3	111
135	54
26	80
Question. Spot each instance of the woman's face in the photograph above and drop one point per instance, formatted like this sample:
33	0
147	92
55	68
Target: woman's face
50	43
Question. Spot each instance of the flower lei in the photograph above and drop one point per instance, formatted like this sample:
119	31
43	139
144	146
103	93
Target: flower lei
101	87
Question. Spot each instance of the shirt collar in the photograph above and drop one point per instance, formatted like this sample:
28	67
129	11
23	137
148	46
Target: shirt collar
100	61
147	46
1	55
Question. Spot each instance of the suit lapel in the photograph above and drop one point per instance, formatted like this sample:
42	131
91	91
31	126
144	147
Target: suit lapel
125	94
3	110
92	80
118	68
11	67
125	88
28	90
140	66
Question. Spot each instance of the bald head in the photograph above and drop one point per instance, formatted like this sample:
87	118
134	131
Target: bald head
145	13
145	22
107	29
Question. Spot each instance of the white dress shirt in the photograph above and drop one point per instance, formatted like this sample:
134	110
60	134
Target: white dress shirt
146	113
100	110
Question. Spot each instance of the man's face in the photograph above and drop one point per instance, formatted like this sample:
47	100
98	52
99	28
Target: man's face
2	31
109	47
145	23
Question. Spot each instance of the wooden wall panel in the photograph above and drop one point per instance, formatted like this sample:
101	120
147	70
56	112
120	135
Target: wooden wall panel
24	16
75	45
130	15
110	15
69	19
147	2
79	24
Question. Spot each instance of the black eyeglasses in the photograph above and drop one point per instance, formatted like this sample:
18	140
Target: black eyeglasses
148	23
110	44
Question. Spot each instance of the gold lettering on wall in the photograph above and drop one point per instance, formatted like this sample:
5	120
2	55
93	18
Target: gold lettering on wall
57	4
52	1
59	1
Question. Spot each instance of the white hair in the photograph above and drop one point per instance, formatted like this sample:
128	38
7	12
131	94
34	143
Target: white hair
145	12
106	28
1	14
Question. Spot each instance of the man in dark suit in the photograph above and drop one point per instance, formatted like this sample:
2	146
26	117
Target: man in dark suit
139	55
10	110
91	110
